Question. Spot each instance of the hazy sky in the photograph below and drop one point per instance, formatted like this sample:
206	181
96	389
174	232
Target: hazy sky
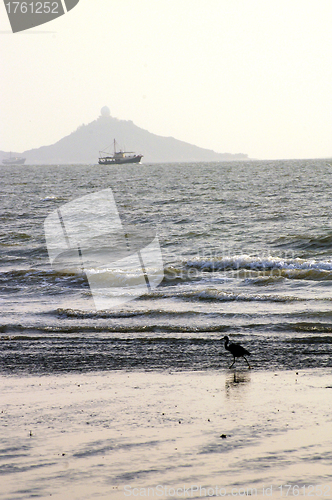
237	76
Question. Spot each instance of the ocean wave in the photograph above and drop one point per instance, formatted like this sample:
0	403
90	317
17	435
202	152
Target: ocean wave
72	313
147	313
9	239
29	279
54	198
212	294
263	280
309	327
285	267
305	242
11	331
271	277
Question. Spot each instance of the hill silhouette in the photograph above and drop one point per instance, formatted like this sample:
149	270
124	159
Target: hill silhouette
83	145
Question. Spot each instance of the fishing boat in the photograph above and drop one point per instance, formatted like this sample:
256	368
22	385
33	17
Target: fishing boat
13	160
118	156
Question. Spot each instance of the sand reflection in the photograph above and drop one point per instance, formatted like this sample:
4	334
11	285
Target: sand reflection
236	383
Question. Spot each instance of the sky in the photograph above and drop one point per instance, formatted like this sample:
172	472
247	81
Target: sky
235	76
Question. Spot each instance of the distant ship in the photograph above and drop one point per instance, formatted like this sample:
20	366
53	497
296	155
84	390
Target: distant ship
13	160
118	157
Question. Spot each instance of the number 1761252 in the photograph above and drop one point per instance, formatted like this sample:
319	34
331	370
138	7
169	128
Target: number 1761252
33	7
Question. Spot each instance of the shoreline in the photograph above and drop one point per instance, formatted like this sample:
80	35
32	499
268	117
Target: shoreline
86	436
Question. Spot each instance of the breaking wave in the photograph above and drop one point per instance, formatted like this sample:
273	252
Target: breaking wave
215	295
273	266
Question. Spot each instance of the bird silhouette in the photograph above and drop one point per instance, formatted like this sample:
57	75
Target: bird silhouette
237	350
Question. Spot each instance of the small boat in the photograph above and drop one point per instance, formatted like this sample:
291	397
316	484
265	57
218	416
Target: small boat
118	157
13	160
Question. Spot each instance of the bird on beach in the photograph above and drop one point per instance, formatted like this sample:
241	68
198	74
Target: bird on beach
237	350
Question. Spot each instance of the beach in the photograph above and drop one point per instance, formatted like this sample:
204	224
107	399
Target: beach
161	434
138	400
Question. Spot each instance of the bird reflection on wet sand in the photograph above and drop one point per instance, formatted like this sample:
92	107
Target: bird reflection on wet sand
236	381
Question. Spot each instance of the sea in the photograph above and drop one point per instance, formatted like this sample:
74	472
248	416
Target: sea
246	250
109	399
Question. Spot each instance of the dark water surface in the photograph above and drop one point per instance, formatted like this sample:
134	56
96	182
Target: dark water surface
247	252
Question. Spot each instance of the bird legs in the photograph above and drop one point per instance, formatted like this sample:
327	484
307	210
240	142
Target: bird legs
247	362
242	357
232	363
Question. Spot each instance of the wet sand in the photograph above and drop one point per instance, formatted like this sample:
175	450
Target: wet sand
116	435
